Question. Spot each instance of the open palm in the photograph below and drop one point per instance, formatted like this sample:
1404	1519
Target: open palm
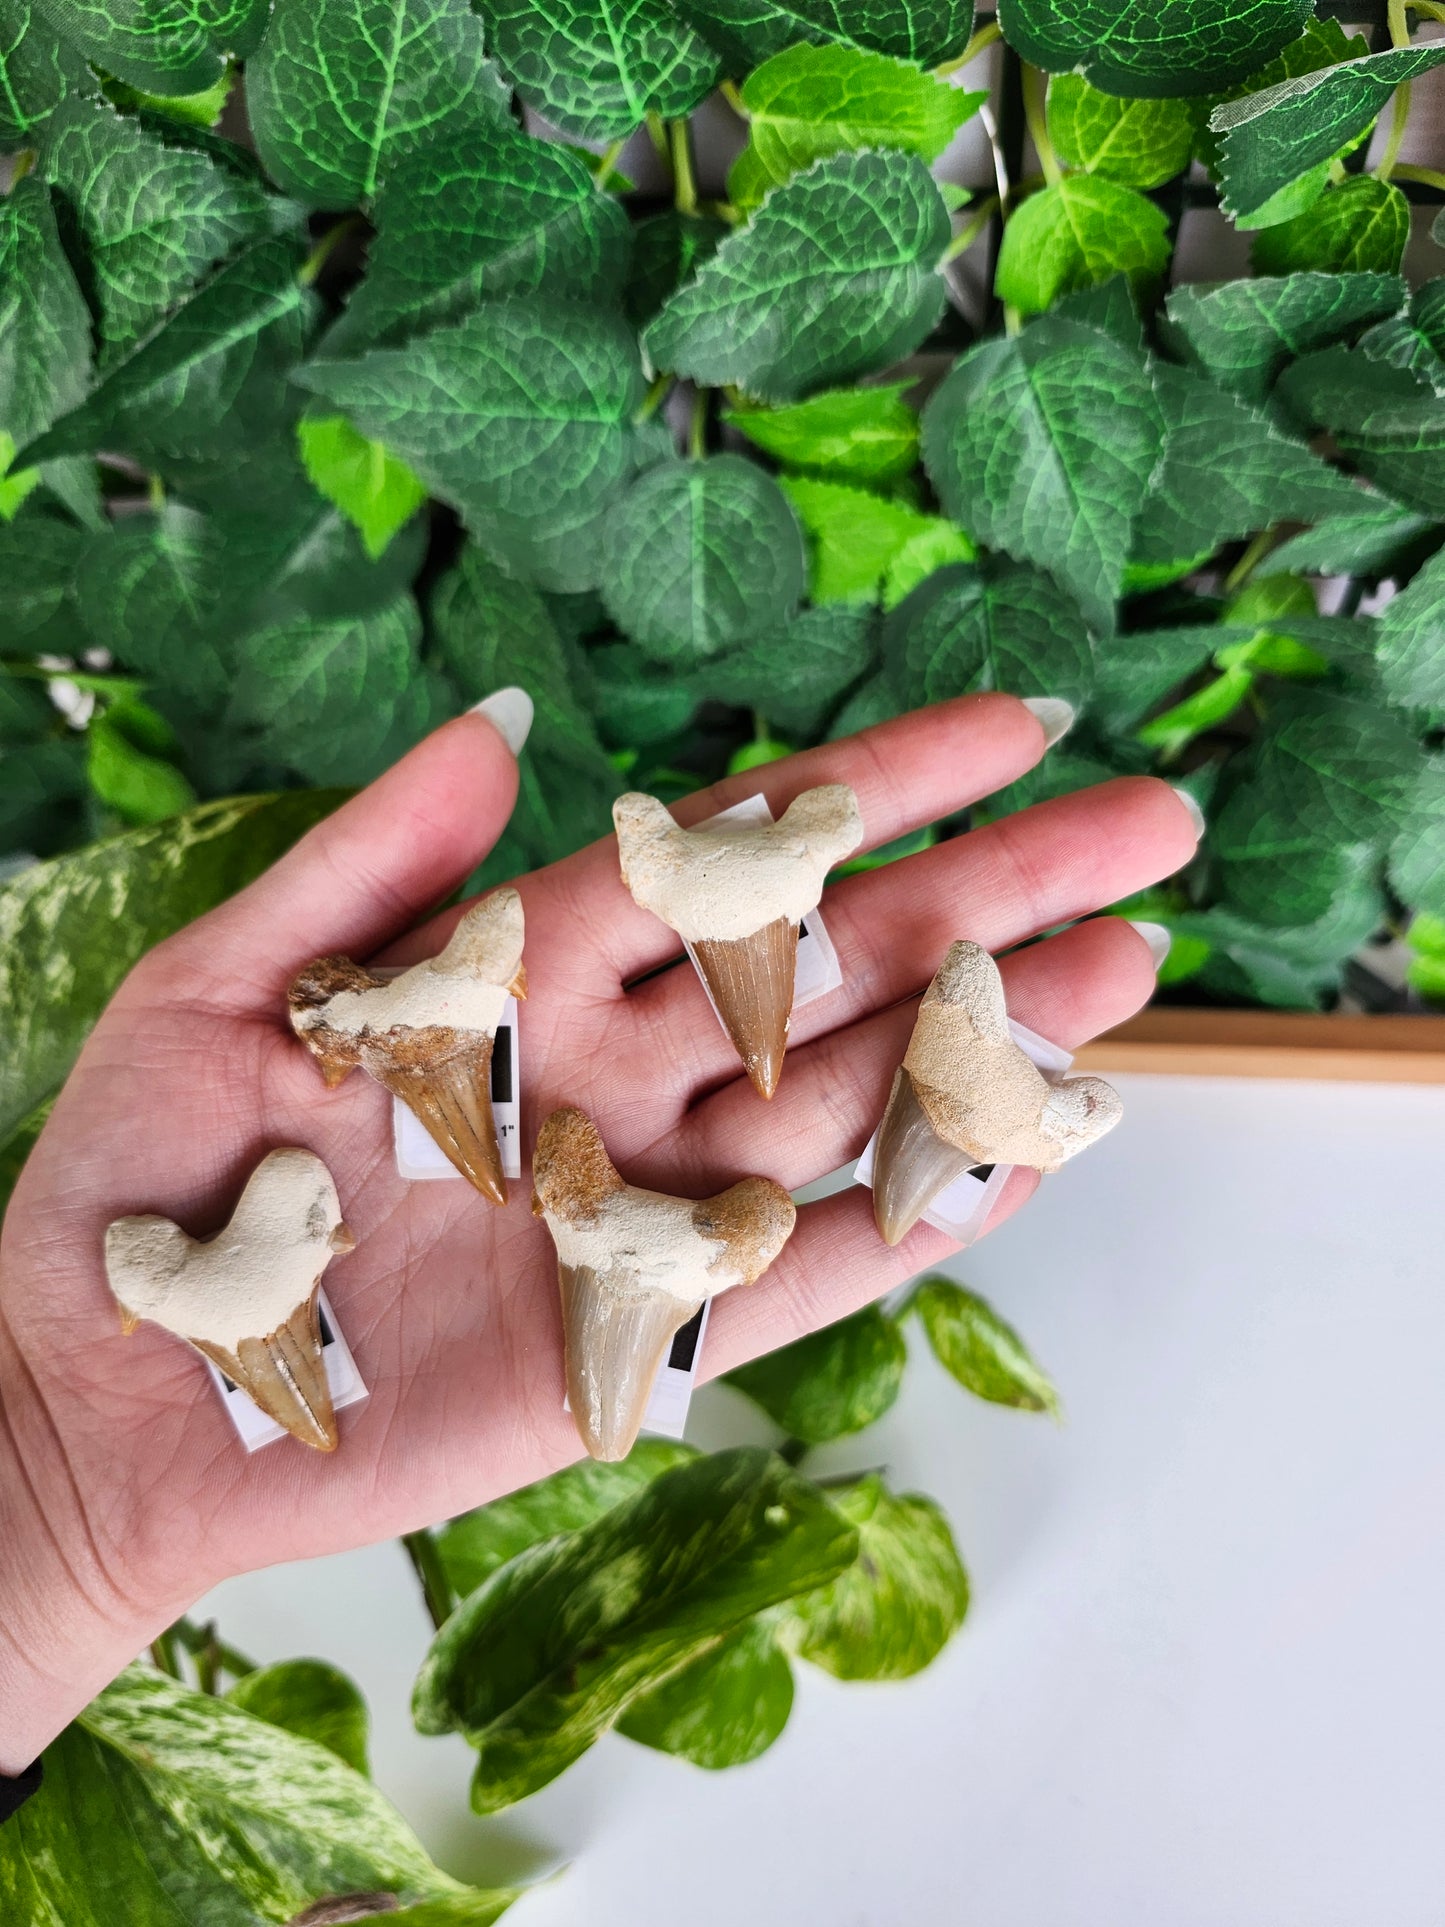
129	1487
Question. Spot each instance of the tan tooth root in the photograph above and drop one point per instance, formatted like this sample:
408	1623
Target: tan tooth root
452	1098
285	1374
633	1266
752	980
912	1164
343	1240
518	986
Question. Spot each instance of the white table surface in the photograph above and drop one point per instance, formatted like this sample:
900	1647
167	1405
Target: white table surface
1202	1683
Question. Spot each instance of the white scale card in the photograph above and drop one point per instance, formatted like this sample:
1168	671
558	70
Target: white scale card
253	1427
961	1211
420	1157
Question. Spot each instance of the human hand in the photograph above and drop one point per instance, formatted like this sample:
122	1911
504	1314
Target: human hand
123	1491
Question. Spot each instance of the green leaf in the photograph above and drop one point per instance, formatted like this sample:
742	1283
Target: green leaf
44	325
724	1709
1044	443
1417	855
487	212
1324	43
161	1805
1369	543
1338	905
42	788
1142	143
1411	646
38	70
202	110
139	786
891	1612
1076	234
697	556
1359	227
313	1699
558	1644
373	490
1385	420
209	376
832	1382
152	217
809	101
161	46
867	435
1005	627
1413	340
1111	308
1149	52
1272	137
855	537
478	1543
14	1152
338	94
635	702
797	672
1145	667
1243	332
519	416
974	1345
666	251
833	277
597	72
38	560
72	928
748	32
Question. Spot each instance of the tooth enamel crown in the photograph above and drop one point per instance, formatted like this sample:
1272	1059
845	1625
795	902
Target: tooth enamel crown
724	881
247	1280
980	1092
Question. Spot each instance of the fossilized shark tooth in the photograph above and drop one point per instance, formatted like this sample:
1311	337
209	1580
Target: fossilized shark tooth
736	894
247	1297
426	1034
634	1266
965	1094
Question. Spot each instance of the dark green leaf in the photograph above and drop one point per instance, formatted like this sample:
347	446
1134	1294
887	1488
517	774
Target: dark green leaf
1243	332
890	1613
1386	420
1153	51
1006	627
1139	142
1359	227
148	592
1413	340
1369	543
1044	444
796	673
474	1546
666	250
41	788
698	556
1417	855
809	101
38	70
310	1698
867	435
788	304
726	1708
873	702
1324	43
1111	308
374	491
162	1805
832	1382
1139	670
597	72
750	31
1339	906
70	929
339	94
986	1356
557	1645
1076	234
488	212
44	326
1411	650
202	110
858	541
38	561
162	46
518	415
635	701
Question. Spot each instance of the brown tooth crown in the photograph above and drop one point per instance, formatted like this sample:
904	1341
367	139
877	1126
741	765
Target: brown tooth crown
751	980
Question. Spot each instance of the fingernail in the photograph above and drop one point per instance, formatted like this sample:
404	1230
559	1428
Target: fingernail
1156	936
1196	815
1054	714
509	711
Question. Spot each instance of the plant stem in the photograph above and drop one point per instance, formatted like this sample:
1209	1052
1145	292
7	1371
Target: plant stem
1000	166
654	398
1399	26
732	95
1399	119
1427	176
1244	568
966	236
1036	88
697	425
22	164
436	1588
684	187
980	43
163	1652
323	250
608	163
203	1639
156	492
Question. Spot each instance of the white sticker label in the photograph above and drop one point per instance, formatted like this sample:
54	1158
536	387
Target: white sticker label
419	1156
253	1427
961	1210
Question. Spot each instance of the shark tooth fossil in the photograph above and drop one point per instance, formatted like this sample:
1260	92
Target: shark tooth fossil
246	1298
966	1094
633	1267
736	894
426	1034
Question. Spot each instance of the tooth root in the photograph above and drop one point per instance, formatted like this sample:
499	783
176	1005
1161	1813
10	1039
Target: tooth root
912	1163
454	1102
616	1342
285	1374
752	979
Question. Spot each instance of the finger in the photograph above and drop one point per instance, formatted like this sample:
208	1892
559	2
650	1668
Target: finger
998	885
1068	989
362	874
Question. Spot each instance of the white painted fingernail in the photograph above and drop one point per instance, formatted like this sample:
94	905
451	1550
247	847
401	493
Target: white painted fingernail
510	712
1156	936
1054	714
1196	815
